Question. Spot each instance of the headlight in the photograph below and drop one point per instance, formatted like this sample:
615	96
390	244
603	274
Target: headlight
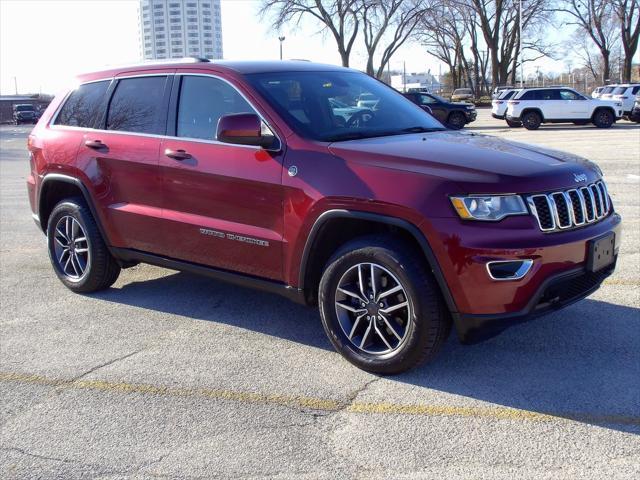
489	208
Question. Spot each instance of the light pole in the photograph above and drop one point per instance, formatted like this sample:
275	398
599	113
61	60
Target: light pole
281	38
521	52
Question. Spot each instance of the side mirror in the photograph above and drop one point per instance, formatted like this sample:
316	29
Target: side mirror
244	129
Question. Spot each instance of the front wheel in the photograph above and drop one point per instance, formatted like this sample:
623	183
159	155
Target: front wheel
456	120
380	307
603	118
531	120
77	251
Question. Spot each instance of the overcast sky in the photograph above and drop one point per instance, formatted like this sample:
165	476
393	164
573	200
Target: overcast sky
44	43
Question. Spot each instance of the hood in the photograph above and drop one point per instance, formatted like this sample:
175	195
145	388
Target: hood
475	163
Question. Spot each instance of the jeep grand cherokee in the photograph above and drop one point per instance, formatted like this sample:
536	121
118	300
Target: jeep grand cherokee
244	171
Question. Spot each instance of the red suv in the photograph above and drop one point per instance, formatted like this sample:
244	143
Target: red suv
270	174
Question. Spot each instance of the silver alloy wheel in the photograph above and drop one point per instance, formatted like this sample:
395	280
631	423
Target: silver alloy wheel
373	308
71	248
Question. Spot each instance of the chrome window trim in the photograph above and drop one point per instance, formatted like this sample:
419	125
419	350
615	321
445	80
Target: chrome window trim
54	117
52	125
244	97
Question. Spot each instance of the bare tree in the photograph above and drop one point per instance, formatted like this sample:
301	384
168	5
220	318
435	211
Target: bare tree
499	22
388	22
337	16
628	14
441	29
596	19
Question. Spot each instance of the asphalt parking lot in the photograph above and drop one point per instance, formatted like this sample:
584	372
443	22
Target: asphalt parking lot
171	375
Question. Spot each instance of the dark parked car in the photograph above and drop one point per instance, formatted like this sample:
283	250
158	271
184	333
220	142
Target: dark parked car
396	227
453	115
635	111
24	113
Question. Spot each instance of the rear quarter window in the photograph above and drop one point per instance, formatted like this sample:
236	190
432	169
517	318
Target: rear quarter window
83	106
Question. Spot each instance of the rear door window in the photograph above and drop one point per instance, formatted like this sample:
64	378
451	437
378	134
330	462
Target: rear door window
137	105
84	105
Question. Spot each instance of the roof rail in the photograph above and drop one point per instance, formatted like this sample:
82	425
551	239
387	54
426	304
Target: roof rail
177	60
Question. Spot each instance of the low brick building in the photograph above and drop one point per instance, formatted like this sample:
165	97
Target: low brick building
39	102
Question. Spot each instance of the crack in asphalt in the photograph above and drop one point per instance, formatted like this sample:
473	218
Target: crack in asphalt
105	364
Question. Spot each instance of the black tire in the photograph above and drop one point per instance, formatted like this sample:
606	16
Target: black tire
101	269
531	120
456	120
513	124
603	118
428	322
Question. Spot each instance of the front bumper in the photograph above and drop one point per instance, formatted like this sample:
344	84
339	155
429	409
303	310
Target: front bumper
485	306
556	292
471	115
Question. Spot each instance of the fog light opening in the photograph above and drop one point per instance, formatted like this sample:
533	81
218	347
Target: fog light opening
508	269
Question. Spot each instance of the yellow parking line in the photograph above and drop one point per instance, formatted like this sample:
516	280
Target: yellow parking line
380	408
622	282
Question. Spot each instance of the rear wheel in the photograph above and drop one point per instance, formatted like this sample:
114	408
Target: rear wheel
513	124
531	120
380	307
456	120
77	251
603	118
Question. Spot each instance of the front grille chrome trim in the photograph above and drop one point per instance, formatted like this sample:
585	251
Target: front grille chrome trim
549	214
534	210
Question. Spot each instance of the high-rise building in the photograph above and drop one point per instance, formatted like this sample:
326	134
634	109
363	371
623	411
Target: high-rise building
180	28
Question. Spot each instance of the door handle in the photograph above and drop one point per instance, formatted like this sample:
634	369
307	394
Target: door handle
177	154
95	144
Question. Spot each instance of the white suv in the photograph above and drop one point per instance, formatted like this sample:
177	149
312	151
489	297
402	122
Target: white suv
499	105
626	94
534	106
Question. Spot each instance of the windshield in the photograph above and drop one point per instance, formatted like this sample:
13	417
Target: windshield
619	90
24	108
607	90
327	106
462	91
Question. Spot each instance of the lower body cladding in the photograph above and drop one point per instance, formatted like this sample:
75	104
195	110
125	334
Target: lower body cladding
511	272
498	116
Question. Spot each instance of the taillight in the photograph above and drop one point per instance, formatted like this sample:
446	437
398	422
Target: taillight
623	98
500	102
513	102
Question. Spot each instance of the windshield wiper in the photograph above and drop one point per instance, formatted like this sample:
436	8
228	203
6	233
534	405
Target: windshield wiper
418	129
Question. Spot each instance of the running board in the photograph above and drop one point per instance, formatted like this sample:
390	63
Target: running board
243	280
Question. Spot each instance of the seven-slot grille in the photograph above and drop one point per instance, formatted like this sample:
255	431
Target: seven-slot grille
570	208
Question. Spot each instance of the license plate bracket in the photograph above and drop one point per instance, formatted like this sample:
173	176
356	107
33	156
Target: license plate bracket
601	252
